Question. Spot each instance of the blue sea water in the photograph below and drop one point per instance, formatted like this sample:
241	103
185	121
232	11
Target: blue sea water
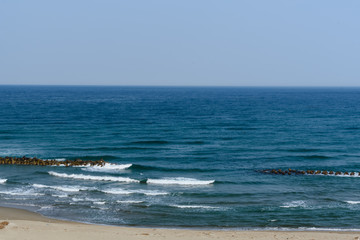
185	157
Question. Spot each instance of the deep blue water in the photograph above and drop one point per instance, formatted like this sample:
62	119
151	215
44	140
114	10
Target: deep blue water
186	157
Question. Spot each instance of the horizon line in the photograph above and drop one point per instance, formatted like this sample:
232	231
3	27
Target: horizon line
176	86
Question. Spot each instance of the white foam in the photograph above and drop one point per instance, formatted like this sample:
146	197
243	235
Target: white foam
99	203
294	204
56	159
353	202
63	188
117	191
151	193
129	201
121	191
194	206
180	181
60	159
60	195
2	180
46	207
74	199
78	199
94	178
21	193
108	167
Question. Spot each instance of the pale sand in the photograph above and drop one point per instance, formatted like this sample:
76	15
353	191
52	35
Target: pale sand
25	225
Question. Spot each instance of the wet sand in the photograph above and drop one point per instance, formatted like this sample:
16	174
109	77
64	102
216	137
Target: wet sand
24	224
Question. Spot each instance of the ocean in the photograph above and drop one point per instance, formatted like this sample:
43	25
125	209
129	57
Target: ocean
184	157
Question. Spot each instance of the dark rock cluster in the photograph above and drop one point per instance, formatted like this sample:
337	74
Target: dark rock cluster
40	162
307	172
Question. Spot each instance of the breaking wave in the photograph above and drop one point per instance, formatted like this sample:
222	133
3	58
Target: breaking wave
353	202
180	181
129	201
94	178
295	204
194	206
64	188
21	192
139	191
108	167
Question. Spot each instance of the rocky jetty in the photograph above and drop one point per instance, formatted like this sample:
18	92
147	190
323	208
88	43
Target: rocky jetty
307	172
41	162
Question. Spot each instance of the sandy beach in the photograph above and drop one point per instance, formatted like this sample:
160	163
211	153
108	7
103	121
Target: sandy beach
23	224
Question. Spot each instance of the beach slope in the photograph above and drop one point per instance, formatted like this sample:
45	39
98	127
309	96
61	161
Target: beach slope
23	224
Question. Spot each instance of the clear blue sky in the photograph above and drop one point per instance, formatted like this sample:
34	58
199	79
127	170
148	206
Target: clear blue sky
197	42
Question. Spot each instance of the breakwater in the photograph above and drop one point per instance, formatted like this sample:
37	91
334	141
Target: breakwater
307	172
49	162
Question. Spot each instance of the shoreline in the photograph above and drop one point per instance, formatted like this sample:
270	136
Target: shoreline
24	224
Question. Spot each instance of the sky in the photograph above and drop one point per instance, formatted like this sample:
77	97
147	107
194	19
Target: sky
180	43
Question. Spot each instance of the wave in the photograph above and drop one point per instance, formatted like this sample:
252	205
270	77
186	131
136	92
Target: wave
108	167
195	142
102	149
60	195
295	204
139	191
56	159
150	142
129	201
20	192
194	206
180	181
46	208
166	169
315	157
301	150
353	202
94	178
352	128
211	194
97	157
74	199
3	180
64	188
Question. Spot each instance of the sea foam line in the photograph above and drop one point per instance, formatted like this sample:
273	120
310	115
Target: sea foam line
108	167
21	193
94	178
180	181
295	204
139	191
353	202
129	201
194	206
64	188
3	180
57	159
